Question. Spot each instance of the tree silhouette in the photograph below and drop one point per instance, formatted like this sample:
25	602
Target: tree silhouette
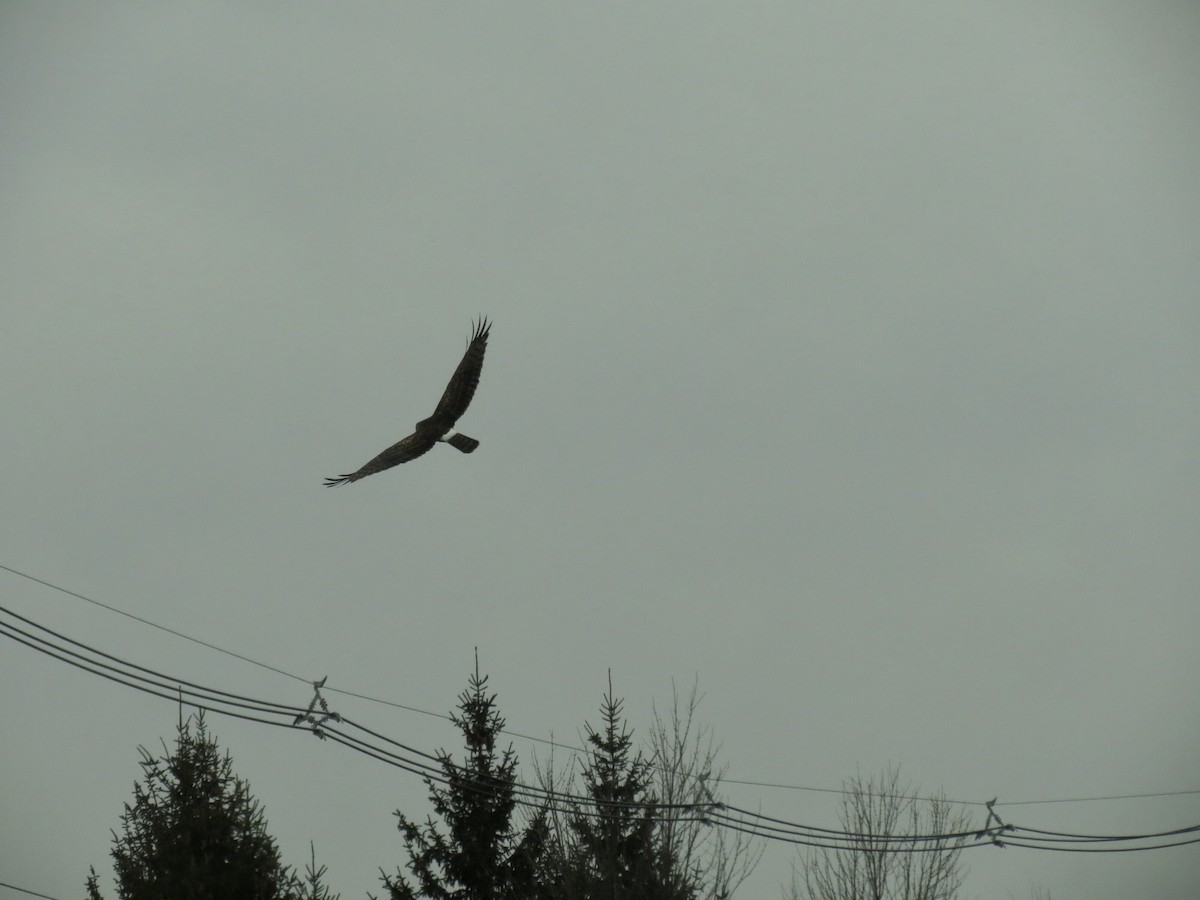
873	810
641	830
614	851
481	854
194	832
709	862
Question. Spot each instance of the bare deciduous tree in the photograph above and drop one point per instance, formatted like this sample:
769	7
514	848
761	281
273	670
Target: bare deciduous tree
684	756
875	868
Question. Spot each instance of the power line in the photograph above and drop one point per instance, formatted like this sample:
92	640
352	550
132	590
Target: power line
170	683
1011	843
437	768
216	701
824	790
13	887
430	766
1068	836
862	845
578	751
179	634
1094	799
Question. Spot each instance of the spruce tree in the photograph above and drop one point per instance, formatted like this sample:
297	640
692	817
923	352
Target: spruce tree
615	854
194	832
479	853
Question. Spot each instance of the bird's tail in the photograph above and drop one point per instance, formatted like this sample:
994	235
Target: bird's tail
462	442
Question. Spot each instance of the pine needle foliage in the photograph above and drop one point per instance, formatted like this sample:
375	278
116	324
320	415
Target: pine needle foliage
615	846
478	851
194	831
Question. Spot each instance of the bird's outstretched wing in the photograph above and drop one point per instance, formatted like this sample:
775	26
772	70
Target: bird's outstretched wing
460	390
401	452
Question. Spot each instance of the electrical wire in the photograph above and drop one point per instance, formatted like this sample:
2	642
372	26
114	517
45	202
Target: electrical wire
1095	799
170	683
781	825
267	666
128	615
1191	829
438	769
1008	842
441	770
800	835
160	685
13	887
576	751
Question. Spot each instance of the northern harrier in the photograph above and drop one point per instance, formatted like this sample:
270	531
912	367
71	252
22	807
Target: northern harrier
439	426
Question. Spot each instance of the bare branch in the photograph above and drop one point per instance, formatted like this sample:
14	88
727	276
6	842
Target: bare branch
874	809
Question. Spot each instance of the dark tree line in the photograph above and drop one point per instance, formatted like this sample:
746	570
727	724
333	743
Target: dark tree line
623	829
624	823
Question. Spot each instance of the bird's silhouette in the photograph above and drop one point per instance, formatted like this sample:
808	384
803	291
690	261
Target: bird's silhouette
439	426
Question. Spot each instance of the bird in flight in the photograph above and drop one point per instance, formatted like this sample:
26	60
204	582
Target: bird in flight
439	426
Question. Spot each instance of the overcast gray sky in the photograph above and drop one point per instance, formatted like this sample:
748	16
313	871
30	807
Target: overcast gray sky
844	359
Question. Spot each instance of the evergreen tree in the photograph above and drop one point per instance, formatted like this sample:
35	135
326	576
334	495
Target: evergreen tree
614	838
313	886
613	846
481	854
194	832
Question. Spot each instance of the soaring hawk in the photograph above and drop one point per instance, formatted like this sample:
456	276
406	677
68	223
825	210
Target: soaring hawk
439	426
